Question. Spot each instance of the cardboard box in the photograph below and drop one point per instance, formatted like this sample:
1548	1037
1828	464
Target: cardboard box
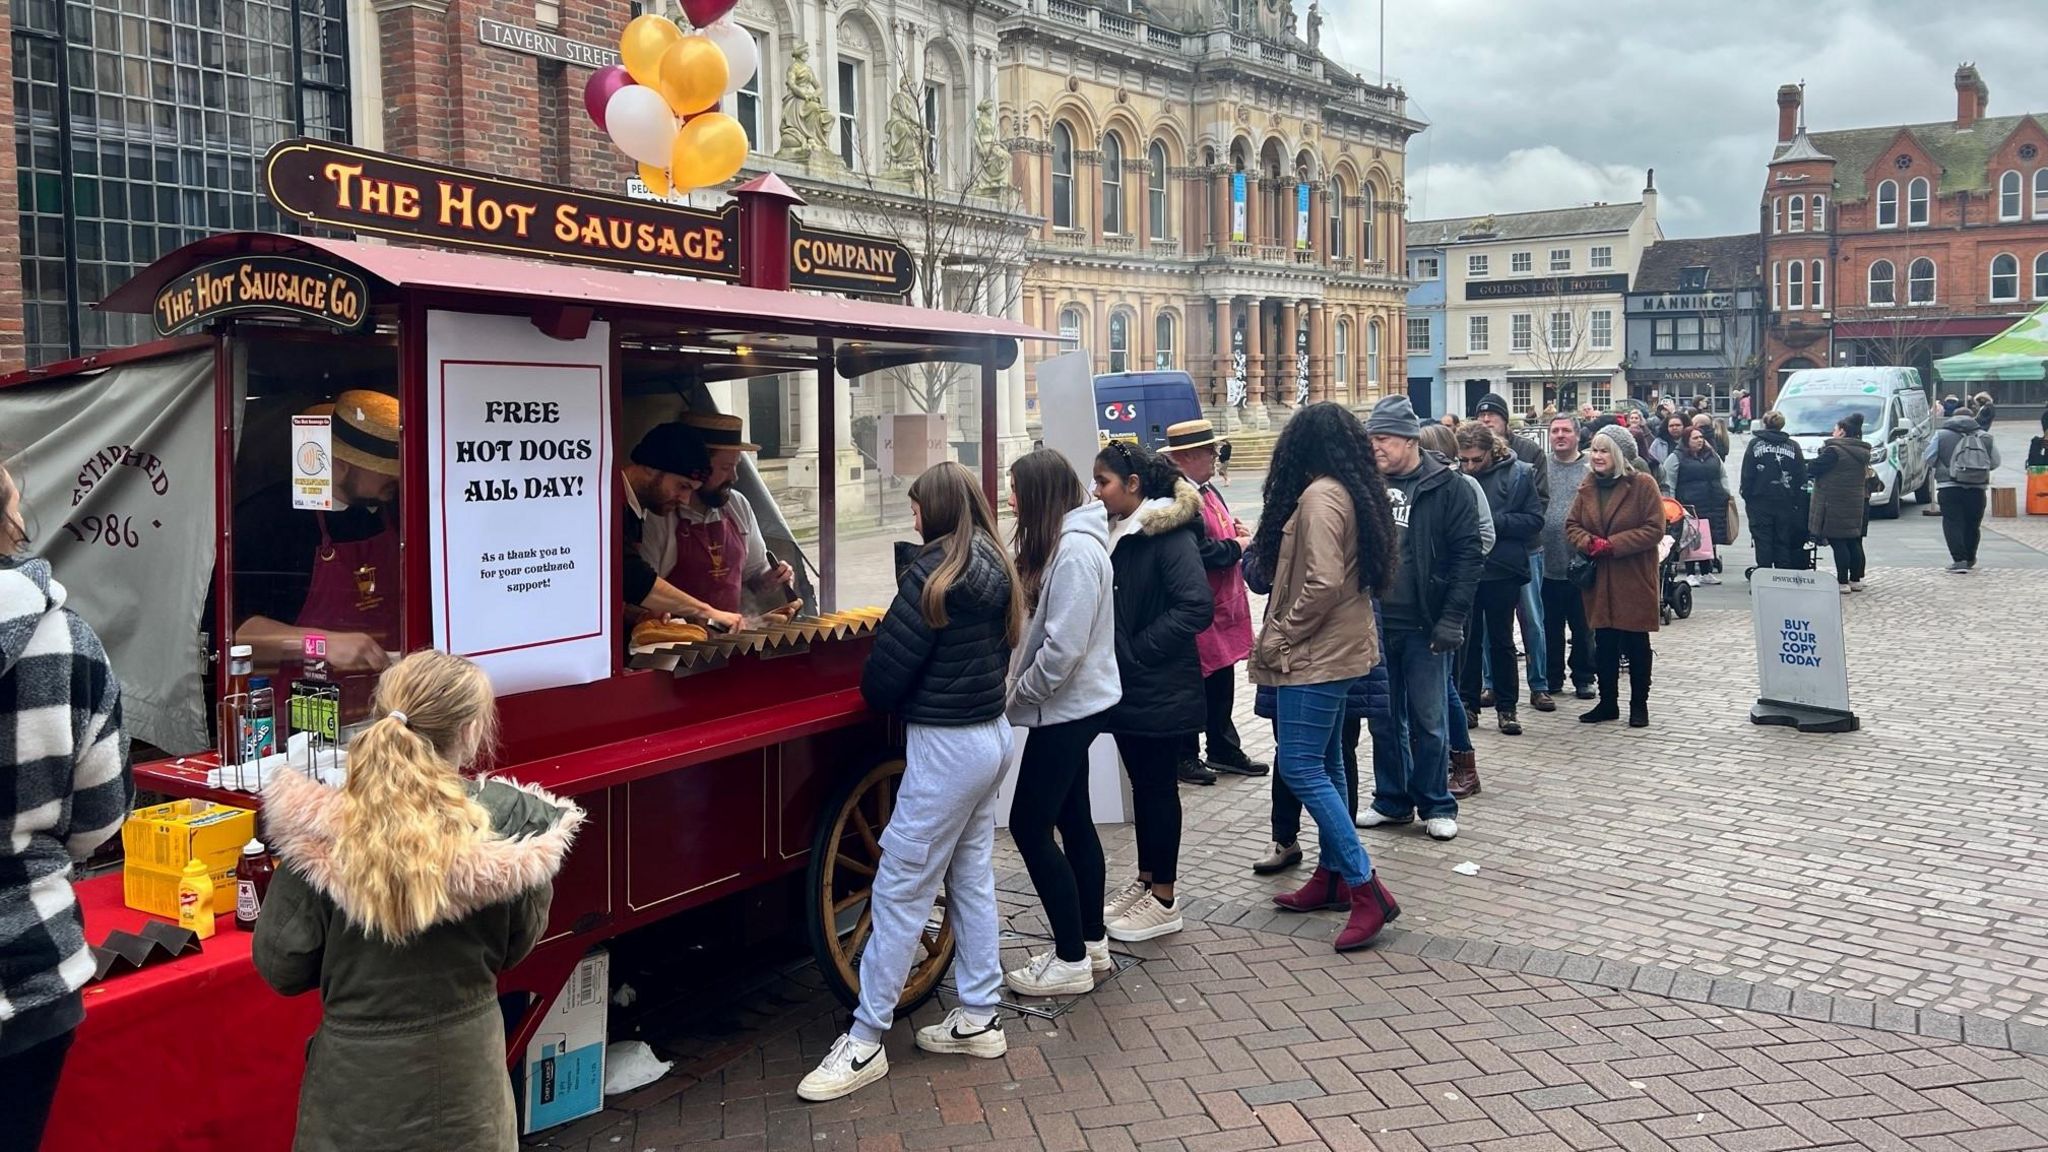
158	841
561	1075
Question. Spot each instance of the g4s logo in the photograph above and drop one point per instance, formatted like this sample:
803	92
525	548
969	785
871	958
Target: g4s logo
1120	411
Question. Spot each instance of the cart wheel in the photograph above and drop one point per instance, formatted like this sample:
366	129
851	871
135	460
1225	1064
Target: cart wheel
1681	600
844	855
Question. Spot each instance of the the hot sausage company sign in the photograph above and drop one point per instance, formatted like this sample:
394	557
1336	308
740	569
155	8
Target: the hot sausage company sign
832	261
269	284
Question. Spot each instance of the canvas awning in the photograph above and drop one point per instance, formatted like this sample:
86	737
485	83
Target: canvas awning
2018	353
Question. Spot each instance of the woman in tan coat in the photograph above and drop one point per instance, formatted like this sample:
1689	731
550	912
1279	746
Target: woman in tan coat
1617	519
1327	537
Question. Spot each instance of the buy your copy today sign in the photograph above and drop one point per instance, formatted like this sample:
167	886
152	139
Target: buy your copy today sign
1799	653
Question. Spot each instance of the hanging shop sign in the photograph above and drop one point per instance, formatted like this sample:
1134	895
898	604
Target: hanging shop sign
336	186
546	45
1300	366
831	261
260	284
1237	207
1240	388
1546	286
1301	215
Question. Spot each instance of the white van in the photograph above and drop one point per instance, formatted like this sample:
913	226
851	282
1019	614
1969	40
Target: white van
1898	422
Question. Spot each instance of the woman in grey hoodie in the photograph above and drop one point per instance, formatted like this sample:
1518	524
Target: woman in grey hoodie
1065	680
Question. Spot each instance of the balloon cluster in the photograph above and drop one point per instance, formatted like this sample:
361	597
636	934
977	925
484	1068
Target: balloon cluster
660	105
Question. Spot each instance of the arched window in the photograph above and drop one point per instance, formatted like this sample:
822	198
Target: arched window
1112	185
2041	273
2041	193
1162	341
1368	247
1820	212
1119	341
1372	353
2009	196
1795	215
1155	189
1917	202
1795	285
1888	204
1337	194
1777	215
1920	282
1062	176
2005	277
1817	274
1343	352
1071	322
1884	284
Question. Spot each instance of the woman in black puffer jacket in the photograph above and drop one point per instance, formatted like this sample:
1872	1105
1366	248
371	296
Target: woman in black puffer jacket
1774	489
1163	601
940	661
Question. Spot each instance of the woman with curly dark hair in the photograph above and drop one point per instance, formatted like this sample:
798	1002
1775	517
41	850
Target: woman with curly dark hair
1326	535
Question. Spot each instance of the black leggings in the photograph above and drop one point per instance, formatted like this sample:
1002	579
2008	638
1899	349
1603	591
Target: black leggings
1780	537
1052	791
1848	558
1563	604
1962	522
1287	806
1219	696
1610	645
30	1076
1492	627
1155	800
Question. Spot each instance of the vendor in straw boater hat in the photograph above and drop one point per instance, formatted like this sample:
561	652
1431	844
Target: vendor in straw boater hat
331	572
661	472
710	544
1195	447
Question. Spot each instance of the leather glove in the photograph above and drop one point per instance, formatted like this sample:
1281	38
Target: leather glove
1446	637
1600	547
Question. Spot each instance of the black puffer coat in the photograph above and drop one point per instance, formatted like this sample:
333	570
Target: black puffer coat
1510	488
953	676
1163	601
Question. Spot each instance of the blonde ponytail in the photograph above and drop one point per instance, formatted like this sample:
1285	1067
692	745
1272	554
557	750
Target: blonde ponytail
405	813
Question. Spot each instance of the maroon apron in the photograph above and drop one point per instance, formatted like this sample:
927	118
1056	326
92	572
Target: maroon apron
709	560
354	586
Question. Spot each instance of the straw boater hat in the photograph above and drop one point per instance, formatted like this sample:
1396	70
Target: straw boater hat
365	431
717	430
1189	434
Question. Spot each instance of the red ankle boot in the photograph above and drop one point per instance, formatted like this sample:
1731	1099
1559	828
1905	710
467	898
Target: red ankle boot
1372	907
1325	889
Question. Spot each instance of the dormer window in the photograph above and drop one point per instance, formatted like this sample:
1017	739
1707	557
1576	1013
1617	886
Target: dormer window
1693	279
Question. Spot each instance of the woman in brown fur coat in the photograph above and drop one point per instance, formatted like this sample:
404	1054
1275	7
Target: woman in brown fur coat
1617	519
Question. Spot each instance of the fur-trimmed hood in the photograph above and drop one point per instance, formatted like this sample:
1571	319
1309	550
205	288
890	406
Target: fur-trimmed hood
531	832
1161	514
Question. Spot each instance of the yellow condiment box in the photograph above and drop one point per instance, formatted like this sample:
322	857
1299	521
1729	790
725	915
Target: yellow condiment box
158	840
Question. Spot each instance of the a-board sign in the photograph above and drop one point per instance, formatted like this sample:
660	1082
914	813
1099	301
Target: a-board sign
259	284
832	261
1802	675
335	186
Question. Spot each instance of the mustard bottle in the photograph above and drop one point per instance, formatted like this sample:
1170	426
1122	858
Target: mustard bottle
195	899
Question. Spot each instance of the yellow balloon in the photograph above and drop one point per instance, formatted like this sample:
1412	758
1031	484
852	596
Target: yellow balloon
656	180
709	150
692	75
643	44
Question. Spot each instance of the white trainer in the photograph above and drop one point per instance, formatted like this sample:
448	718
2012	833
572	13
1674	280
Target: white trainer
1098	956
1710	579
847	1068
1441	828
1048	975
957	1035
1128	895
1855	585
1148	919
1374	818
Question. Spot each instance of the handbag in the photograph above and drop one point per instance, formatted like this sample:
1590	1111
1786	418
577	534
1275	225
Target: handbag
1734	522
1582	571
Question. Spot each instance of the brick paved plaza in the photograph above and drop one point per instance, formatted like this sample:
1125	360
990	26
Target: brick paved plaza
1703	935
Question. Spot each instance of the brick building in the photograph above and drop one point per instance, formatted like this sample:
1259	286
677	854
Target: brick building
1903	243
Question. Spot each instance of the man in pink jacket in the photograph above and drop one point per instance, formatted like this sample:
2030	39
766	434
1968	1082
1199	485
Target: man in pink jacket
1228	639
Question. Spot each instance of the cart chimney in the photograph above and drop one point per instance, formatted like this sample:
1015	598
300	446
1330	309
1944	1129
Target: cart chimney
765	231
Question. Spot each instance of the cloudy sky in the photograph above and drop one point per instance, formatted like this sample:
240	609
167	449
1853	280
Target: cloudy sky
1548	103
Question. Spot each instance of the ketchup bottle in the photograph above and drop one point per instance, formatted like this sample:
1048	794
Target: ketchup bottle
252	883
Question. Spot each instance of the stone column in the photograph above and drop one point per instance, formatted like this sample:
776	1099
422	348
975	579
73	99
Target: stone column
1220	365
1219	213
1316	229
1092	165
1318	352
1283	363
1101	319
1044	157
1013	434
1255	358
1252	223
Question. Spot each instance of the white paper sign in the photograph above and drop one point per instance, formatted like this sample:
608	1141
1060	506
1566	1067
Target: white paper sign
1066	403
520	454
313	463
1799	661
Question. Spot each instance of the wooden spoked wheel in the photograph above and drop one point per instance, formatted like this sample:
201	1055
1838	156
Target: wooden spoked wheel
845	854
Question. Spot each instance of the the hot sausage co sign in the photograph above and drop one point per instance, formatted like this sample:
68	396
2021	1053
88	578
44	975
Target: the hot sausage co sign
268	284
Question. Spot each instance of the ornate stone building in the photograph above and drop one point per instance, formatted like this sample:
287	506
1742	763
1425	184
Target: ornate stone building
1212	191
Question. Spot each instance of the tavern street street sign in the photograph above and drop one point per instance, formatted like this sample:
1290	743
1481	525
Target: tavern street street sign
546	45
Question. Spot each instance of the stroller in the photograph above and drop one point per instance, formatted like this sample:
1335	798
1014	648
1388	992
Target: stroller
1685	537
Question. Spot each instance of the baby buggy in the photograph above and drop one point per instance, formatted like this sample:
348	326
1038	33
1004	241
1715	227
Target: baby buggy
1685	536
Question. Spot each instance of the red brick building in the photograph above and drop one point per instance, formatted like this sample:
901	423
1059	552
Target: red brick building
1903	243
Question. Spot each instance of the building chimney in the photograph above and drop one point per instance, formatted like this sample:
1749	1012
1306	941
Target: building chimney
1973	96
1789	98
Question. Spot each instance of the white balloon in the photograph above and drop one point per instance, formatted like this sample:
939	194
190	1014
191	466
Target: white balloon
640	123
742	58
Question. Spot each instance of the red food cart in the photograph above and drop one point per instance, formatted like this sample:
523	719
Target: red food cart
522	385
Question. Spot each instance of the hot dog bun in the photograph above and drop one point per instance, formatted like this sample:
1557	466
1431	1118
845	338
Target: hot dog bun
652	633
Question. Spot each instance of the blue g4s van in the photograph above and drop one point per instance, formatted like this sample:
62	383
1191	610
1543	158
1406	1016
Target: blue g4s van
1141	406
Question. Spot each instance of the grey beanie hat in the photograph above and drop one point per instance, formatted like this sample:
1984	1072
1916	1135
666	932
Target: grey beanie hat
1624	445
1393	416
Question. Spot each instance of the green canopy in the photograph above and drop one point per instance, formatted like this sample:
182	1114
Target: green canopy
2018	353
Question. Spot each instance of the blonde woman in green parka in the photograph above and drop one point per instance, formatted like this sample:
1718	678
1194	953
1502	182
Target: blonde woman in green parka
402	896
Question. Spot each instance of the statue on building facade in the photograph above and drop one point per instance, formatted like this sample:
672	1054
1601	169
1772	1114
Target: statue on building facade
1315	25
903	137
806	123
991	159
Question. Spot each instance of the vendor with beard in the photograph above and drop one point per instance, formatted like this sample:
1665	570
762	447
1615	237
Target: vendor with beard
658	480
710	546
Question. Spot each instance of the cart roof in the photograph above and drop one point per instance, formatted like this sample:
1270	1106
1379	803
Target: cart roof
725	307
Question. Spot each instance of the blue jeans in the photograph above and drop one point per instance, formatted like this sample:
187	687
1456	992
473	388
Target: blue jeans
1456	731
1310	722
1420	679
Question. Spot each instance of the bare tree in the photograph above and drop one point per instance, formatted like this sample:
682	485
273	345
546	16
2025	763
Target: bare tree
1561	340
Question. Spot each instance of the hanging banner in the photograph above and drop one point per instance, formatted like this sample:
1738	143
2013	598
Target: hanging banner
1300	367
521	473
313	463
1301	215
1239	389
1802	676
1237	207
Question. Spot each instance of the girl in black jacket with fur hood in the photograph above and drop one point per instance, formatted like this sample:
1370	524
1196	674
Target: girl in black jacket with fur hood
1163	602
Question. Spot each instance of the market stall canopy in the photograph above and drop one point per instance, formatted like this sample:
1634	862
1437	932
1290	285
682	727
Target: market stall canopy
723	314
2018	353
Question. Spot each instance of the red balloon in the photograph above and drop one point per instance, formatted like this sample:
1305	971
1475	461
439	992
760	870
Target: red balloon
598	90
703	12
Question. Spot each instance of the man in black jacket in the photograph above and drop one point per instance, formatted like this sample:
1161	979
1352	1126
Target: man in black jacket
1436	516
1493	412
